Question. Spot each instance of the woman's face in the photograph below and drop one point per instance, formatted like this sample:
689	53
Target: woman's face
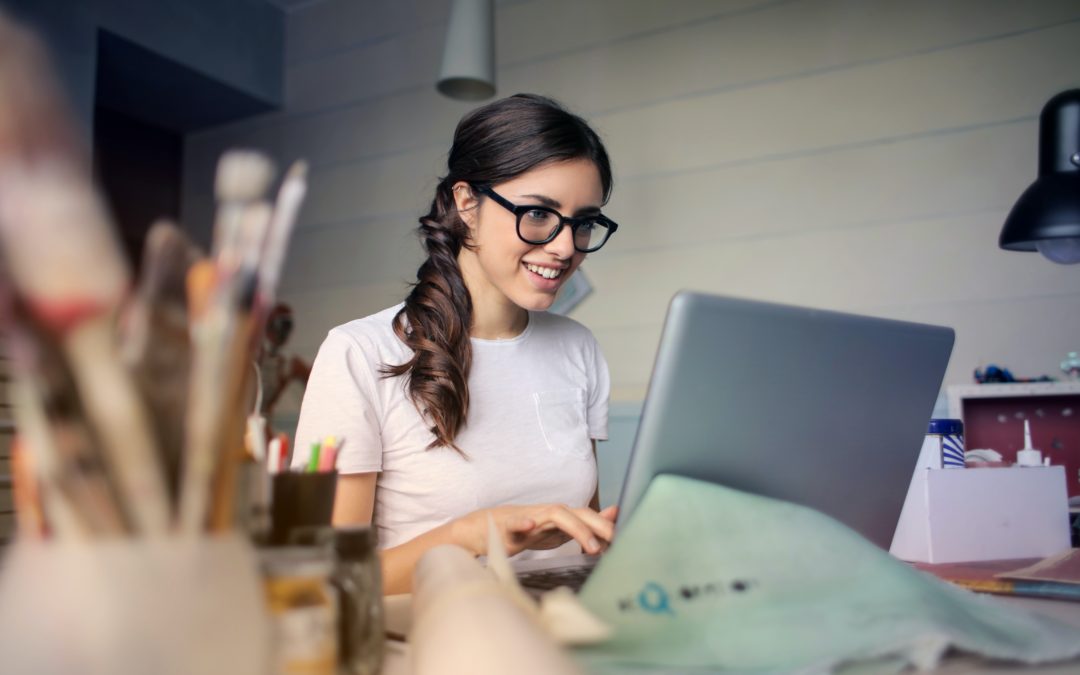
504	269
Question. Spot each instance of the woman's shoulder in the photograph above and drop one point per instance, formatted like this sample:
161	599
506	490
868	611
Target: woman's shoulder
374	332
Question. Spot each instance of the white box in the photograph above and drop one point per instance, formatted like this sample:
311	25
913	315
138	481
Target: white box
967	515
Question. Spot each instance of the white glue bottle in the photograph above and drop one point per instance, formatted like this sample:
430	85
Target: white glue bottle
1028	456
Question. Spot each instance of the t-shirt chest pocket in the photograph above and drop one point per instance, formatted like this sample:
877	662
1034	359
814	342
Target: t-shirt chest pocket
561	414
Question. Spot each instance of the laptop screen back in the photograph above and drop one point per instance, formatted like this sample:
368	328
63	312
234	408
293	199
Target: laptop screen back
815	407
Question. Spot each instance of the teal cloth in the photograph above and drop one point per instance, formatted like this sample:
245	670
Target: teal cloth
704	577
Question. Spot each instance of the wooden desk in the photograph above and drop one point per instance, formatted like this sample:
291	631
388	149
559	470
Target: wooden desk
397	653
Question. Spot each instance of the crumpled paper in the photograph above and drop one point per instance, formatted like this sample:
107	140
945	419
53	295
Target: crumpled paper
704	576
559	612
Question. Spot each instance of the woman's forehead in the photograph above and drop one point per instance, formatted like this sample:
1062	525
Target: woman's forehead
575	183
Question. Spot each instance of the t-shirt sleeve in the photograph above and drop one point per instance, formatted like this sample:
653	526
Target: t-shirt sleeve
340	400
599	393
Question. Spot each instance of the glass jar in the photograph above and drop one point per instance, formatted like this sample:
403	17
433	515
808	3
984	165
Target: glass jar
359	581
303	609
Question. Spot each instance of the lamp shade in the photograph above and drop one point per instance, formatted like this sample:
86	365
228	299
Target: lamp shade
468	64
1047	215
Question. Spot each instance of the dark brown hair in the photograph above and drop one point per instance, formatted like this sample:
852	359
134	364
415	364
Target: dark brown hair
492	144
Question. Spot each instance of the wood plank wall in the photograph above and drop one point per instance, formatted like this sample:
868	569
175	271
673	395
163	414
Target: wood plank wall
857	155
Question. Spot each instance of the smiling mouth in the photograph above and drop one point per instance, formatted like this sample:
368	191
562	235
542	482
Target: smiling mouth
546	272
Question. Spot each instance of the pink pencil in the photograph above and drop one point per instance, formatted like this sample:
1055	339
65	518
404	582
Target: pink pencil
328	459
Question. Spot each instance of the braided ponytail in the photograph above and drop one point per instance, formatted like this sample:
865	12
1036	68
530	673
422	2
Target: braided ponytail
492	144
435	323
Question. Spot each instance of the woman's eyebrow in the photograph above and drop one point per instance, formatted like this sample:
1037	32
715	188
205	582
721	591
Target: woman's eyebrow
555	204
546	201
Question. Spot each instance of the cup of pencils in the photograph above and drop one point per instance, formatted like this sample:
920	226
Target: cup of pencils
302	501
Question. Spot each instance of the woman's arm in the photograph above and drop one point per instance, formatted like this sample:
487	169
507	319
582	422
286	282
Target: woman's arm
354	503
354	500
522	527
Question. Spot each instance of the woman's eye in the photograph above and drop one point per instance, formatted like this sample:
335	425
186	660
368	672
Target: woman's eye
537	215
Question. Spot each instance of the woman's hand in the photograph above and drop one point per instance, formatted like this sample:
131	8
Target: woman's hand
537	526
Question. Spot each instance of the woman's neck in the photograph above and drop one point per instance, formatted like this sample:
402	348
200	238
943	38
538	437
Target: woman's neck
494	316
497	320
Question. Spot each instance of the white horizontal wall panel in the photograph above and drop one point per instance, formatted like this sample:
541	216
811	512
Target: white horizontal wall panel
332	26
356	191
789	41
868	184
317	312
984	335
329	257
966	86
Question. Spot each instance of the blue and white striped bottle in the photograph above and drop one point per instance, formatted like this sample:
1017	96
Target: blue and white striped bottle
948	436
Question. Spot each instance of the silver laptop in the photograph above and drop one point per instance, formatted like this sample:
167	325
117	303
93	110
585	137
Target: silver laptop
814	407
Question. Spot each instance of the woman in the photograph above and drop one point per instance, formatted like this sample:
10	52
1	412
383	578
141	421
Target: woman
468	402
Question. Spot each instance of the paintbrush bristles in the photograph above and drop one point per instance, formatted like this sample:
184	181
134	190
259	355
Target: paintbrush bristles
243	176
242	179
298	171
55	230
33	116
200	285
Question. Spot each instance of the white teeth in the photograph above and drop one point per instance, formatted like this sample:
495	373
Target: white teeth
546	272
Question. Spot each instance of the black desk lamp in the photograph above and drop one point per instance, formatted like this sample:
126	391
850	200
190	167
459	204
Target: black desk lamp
1046	218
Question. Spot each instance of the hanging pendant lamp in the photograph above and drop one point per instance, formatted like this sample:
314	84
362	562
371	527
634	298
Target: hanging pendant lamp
468	64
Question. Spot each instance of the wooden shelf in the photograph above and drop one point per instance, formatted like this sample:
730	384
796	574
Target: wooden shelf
958	393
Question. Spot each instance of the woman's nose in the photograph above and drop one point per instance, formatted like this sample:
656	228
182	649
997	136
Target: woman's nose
562	246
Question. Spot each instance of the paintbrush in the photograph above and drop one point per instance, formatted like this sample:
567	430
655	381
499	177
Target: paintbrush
155	343
286	209
264	241
74	484
36	124
242	179
68	269
221	334
250	242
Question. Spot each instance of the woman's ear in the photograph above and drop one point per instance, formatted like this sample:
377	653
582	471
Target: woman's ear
466	202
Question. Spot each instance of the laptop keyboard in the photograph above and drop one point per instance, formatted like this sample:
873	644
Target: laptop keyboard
545	580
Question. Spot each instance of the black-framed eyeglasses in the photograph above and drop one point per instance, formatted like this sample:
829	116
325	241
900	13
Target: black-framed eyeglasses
541	224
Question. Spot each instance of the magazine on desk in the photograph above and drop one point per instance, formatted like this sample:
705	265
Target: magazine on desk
1056	577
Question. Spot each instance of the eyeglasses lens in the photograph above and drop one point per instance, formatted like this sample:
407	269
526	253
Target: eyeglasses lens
538	225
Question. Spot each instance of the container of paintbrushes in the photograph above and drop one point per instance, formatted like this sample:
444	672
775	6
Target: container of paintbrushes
134	561
169	606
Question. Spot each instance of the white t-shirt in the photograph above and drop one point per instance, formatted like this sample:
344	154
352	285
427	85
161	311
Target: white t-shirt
535	401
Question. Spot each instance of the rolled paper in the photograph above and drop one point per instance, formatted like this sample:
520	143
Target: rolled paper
464	622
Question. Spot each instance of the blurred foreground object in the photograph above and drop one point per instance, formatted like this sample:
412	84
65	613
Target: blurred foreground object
69	281
169	606
466	622
129	402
